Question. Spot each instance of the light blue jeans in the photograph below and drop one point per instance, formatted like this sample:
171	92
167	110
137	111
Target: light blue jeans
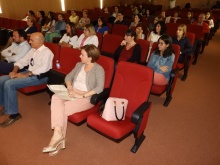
8	91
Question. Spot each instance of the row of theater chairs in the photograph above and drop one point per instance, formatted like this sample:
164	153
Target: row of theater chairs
68	57
8	23
131	81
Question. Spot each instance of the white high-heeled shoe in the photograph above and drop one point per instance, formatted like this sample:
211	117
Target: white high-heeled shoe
60	142
59	148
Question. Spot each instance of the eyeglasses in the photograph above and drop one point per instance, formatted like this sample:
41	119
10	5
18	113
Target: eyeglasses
32	62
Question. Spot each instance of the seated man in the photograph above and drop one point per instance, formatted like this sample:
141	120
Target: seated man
39	59
13	53
120	19
205	27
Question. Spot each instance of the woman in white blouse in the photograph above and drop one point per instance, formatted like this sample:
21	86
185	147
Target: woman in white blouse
87	37
70	37
159	29
50	22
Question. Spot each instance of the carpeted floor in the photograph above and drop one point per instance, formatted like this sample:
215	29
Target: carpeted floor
185	133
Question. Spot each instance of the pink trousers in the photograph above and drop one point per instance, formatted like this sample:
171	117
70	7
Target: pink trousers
61	109
159	79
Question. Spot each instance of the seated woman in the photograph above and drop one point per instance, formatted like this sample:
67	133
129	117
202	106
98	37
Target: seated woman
84	20
70	37
73	17
183	42
87	37
41	18
209	20
30	28
159	29
29	14
50	22
101	27
190	17
161	60
136	21
139	32
128	50
85	80
56	30
115	12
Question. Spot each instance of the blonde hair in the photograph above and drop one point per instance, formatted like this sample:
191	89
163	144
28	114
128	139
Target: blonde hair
91	29
184	28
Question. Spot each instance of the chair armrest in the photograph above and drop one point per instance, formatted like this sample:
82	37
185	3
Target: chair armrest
173	73
101	96
139	112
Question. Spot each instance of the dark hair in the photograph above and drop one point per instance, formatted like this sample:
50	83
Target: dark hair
42	13
21	33
31	12
62	15
121	12
51	17
103	21
131	32
92	51
163	27
168	40
73	29
188	6
139	16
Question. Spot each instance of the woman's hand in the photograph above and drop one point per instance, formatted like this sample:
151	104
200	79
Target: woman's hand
123	43
164	68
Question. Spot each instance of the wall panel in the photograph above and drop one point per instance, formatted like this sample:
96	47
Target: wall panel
18	8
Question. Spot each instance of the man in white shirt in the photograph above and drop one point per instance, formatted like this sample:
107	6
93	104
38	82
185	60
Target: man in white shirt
13	53
39	59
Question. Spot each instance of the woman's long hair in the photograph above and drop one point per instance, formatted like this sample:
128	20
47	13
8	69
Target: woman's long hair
169	50
73	29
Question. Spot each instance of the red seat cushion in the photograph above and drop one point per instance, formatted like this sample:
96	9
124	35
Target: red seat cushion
113	129
31	89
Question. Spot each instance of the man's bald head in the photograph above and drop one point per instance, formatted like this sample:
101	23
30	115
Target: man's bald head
36	40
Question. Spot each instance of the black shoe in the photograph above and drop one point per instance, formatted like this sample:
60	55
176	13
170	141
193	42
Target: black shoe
11	120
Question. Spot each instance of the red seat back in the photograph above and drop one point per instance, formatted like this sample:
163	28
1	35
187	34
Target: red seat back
191	37
68	59
55	48
6	23
14	24
144	49
133	82
100	38
79	32
172	28
197	30
110	44
119	29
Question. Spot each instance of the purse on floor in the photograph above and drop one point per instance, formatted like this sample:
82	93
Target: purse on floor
115	109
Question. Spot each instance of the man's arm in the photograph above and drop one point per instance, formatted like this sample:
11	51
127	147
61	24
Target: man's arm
20	53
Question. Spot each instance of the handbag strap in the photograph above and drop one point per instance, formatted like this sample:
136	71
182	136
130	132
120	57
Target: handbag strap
123	107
